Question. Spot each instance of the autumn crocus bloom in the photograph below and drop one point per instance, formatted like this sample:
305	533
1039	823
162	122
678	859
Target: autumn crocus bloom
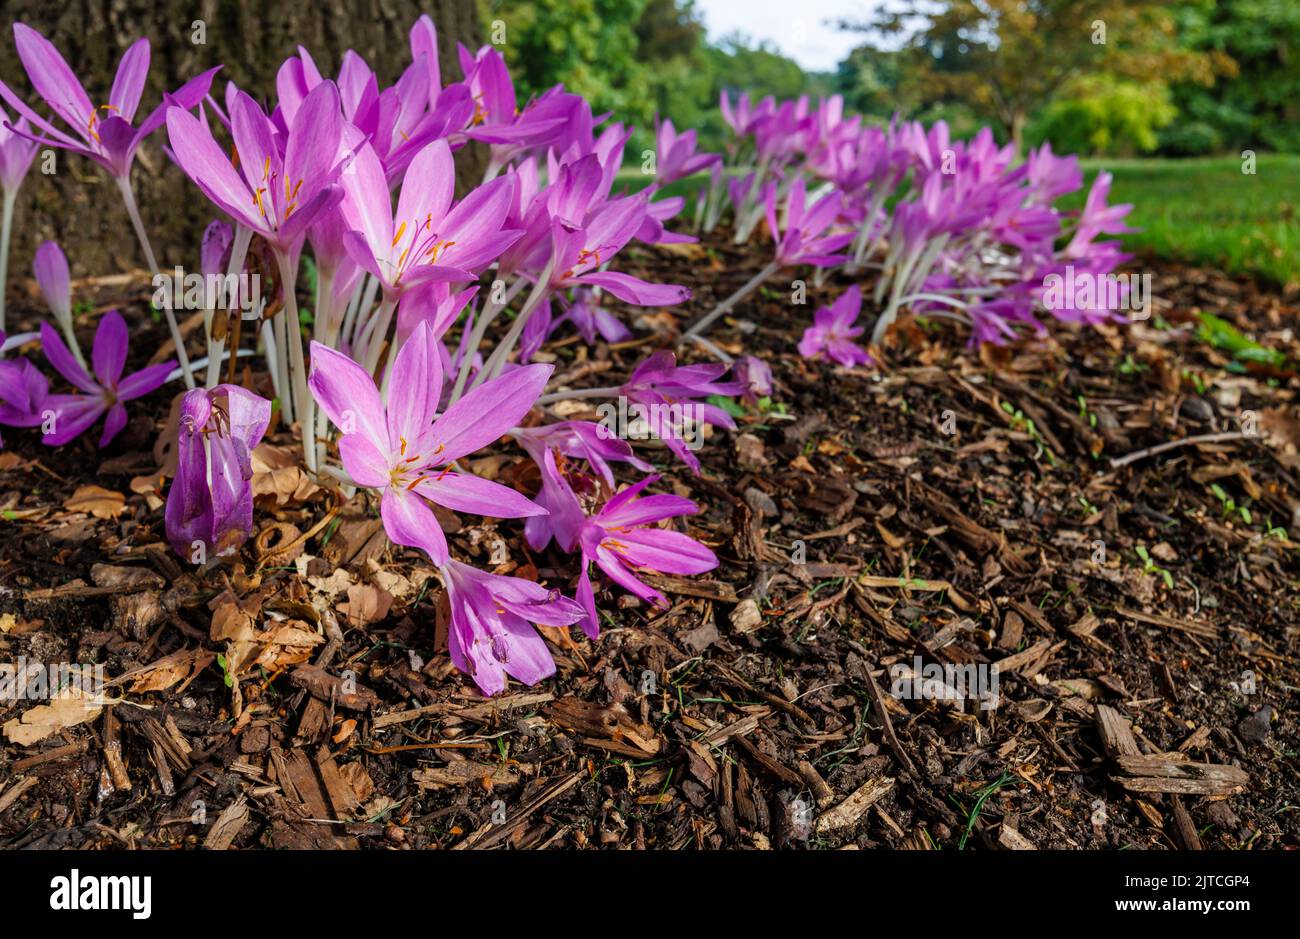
426	240
617	539
404	452
23	390
275	193
491	633
804	239
104	133
103	392
16	154
553	447
667	395
676	154
210	503
50	266
832	333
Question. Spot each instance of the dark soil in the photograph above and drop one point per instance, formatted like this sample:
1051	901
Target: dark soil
956	506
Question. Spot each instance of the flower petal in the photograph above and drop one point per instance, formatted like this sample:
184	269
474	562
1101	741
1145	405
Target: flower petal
488	411
109	354
462	492
408	521
347	394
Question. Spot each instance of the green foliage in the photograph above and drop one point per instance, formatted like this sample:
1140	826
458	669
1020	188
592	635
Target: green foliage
1103	114
1256	103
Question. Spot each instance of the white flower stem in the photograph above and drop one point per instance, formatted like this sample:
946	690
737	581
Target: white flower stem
6	230
304	405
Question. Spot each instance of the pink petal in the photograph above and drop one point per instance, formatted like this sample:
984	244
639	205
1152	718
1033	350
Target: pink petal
347	394
488	411
108	357
414	388
365	464
63	361
129	81
462	492
408	521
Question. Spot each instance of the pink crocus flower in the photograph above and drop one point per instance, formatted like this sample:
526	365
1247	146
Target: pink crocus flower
667	395
491	633
804	239
832	333
277	193
617	539
677	156
427	239
405	453
23	390
1097	218
105	133
103	392
210	502
552	446
17	150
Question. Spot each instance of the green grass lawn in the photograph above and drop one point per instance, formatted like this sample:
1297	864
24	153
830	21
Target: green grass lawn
1207	211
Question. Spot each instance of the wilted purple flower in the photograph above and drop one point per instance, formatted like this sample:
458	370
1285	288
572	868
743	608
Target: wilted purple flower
832	333
210	502
589	318
106	391
617	538
754	376
491	633
404	452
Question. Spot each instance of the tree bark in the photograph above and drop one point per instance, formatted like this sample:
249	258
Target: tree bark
79	206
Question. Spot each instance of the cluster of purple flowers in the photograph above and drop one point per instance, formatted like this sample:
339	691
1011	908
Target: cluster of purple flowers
364	177
953	228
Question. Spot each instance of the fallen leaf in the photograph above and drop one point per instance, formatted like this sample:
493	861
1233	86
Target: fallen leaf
366	604
96	501
71	708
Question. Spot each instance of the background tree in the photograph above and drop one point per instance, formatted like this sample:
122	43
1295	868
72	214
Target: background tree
80	208
1007	59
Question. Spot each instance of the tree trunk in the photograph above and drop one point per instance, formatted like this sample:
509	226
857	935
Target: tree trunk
80	207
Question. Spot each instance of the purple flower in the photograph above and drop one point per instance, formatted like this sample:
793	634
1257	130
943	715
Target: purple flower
491	633
428	240
105	133
579	253
676	154
804	240
590	318
1097	218
666	394
551	447
403	451
754	375
276	193
210	501
832	333
23	390
617	539
104	392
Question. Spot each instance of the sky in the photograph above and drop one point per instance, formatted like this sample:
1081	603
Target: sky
798	28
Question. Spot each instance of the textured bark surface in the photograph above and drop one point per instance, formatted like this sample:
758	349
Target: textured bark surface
80	207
